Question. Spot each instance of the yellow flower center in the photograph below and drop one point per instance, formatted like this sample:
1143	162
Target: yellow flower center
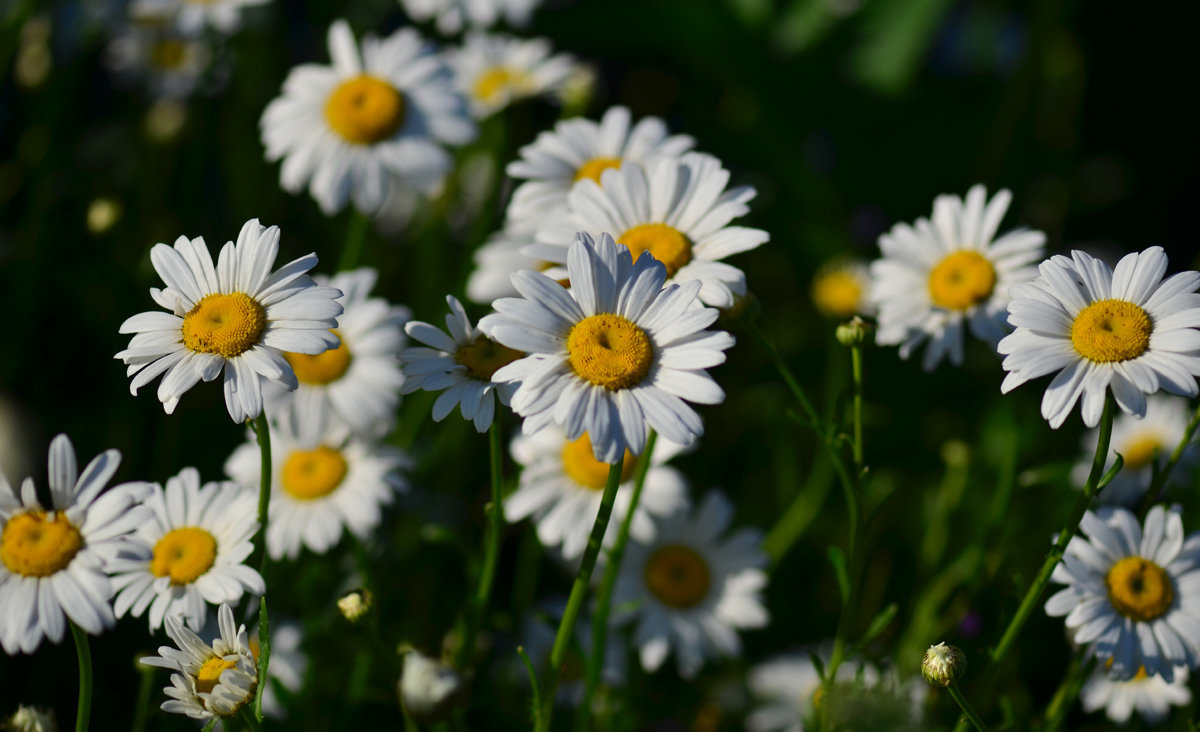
228	325
167	54
1139	589
961	280
34	545
484	357
311	474
837	294
677	576
665	243
610	351
1140	452
1111	330
499	79
209	674
321	368
365	110
184	555
593	168
581	465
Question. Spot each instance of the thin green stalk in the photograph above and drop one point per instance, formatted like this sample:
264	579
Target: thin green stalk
857	370
785	373
477	606
566	627
141	709
967	710
83	650
251	721
210	724
263	430
356	234
1060	705
1160	479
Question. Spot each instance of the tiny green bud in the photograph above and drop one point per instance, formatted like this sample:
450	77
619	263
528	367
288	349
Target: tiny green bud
943	664
853	332
356	603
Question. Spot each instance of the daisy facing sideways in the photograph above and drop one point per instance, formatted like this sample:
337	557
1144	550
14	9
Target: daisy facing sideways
1150	696
493	71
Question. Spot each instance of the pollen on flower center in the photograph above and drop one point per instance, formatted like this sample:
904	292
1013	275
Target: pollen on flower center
483	357
322	368
499	79
1139	589
228	325
678	576
961	280
184	555
665	243
311	474
838	294
209	674
593	168
610	351
1140	452
1111	330
580	464
37	544
365	110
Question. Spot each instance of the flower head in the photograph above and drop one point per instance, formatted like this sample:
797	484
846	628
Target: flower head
453	15
943	664
1150	696
493	71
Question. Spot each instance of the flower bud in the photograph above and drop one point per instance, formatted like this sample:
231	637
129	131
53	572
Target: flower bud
429	689
853	332
31	719
356	603
943	664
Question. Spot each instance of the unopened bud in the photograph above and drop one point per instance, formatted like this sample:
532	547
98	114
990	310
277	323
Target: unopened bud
31	719
429	689
943	664
853	332
356	603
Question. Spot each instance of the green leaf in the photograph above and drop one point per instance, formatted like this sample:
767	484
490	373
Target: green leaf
817	664
1112	472
879	624
838	559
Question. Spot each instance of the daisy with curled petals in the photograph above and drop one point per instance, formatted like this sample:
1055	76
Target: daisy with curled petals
349	129
1133	592
562	483
495	262
237	317
694	589
461	365
493	70
54	562
453	15
1126	329
941	276
190	553
676	209
1150	696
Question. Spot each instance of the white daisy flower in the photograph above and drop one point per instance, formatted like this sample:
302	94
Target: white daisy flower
358	383
1150	696
788	686
495	262
840	289
238	317
580	149
191	552
1126	329
194	16
207	680
562	483
948	273
676	208
460	365
324	480
537	633
54	562
347	130
453	15
615	356
170	64
1133	593
494	70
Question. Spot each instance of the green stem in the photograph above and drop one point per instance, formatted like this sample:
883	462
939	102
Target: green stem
210	724
1160	480
356	233
84	712
785	373
967	710
251	721
566	627
477	607
141	710
1060	705
857	370
263	430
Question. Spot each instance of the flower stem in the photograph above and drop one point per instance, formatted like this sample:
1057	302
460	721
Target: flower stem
1160	479
356	233
967	710
83	650
1060	705
141	710
263	430
566	627
477	606
251	721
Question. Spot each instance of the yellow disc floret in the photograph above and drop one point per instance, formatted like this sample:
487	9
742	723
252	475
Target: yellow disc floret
322	368
610	351
593	168
1140	452
483	357
838	293
37	544
209	674
184	555
365	110
499	79
580	464
228	325
1139	589
961	280
665	243
678	576
168	54
310	474
1111	330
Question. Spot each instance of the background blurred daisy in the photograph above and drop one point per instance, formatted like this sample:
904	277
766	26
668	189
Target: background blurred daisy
168	63
495	262
194	16
537	638
493	70
840	289
452	15
1150	696
787	685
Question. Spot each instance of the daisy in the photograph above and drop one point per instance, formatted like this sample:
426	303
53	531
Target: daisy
495	262
358	383
54	562
324	480
579	149
615	356
194	16
170	64
840	289
238	317
461	365
207	680
694	589
1126	329
190	553
1150	696
537	633
676	208
493	71
348	129
788	687
562	483
453	15
1133	593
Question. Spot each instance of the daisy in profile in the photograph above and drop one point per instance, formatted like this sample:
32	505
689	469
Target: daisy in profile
940	277
237	316
347	130
580	149
194	16
461	365
453	15
492	71
695	587
562	483
495	262
207	680
53	562
192	552
840	289
1150	696
678	209
357	383
1132	593
1126	329
324	481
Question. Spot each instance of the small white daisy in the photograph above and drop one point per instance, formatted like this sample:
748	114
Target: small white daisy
788	687
1133	593
537	633
453	15
460	365
492	70
348	129
194	16
949	273
1150	696
694	589
358	383
191	552
54	562
615	356
840	289
237	317
495	262
1126	329
170	64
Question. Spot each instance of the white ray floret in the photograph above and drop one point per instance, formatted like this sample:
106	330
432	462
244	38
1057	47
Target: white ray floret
194	16
452	16
1150	696
495	262
492	71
